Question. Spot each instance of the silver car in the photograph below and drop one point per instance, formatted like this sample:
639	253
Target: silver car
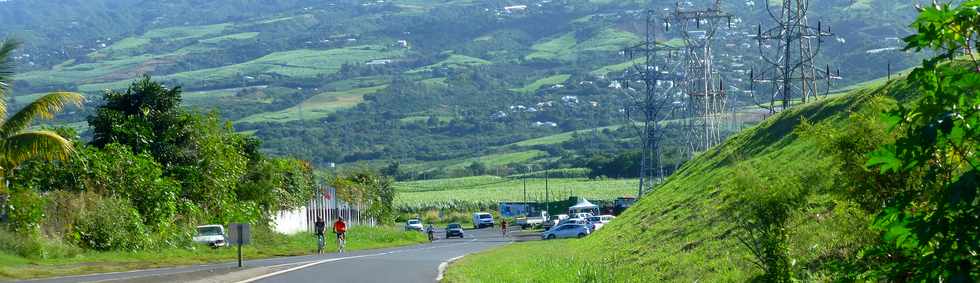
568	230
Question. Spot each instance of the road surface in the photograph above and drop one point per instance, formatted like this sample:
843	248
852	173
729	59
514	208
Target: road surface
418	263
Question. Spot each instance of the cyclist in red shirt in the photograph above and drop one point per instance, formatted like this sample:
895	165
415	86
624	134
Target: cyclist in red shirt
340	228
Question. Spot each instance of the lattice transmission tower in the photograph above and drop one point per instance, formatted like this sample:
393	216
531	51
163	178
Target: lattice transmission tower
789	52
705	103
652	98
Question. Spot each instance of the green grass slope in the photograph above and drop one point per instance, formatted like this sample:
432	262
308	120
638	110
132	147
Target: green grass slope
678	233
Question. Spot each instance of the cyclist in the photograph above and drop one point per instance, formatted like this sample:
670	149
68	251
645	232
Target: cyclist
431	231
340	228
318	227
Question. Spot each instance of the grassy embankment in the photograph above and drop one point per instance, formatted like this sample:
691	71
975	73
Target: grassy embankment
62	260
679	232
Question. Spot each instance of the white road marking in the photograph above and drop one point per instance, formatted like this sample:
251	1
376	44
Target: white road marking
313	263
307	265
444	265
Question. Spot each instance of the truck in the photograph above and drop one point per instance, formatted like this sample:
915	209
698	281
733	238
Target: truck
529	221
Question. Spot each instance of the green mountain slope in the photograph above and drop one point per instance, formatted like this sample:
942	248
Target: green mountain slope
680	233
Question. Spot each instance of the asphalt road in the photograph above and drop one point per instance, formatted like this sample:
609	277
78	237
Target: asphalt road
418	263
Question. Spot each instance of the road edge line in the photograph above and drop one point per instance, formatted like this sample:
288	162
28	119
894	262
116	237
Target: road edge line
264	276
444	265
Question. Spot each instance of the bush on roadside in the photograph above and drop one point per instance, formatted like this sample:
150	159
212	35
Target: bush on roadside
25	210
35	246
112	224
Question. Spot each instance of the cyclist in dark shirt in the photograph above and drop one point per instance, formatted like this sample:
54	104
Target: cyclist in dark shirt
318	227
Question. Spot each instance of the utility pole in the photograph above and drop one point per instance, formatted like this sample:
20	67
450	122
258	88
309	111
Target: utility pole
705	96
526	172
547	197
652	101
789	52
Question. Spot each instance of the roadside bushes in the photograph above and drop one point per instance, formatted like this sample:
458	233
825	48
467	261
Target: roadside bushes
25	209
762	210
111	224
153	171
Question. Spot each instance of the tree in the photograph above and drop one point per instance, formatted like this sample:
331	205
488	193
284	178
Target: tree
931	233
477	168
147	118
371	189
17	142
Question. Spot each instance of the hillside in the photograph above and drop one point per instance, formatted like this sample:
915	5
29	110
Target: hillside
682	222
443	82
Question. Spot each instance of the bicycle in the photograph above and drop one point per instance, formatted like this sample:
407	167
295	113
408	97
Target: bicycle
341	242
319	244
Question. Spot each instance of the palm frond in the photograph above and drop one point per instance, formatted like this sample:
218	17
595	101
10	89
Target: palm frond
28	145
6	72
45	107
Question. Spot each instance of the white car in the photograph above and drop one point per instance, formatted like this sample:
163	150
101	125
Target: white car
212	235
554	221
583	215
597	222
569	230
413	225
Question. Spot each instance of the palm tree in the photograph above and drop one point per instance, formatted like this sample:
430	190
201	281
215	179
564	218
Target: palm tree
18	143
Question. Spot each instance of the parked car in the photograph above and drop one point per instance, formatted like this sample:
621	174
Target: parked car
482	219
454	230
597	222
413	225
579	221
212	235
569	230
583	215
554	221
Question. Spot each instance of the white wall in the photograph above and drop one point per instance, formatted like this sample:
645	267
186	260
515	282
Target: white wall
290	221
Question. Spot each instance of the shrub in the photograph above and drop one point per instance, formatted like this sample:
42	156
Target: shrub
762	209
112	224
25	210
35	246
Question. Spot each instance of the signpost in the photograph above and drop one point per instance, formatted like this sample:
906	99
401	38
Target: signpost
241	234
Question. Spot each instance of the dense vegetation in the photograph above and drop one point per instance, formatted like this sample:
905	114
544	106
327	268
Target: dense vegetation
876	185
152	173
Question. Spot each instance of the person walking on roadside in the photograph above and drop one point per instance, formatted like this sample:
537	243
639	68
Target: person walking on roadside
318	227
340	228
503	227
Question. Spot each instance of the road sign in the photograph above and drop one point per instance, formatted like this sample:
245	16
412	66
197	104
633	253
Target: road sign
241	234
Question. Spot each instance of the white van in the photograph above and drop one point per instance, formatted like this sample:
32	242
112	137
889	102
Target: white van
482	219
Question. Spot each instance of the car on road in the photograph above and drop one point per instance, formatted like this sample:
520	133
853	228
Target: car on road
454	230
482	219
568	230
413	225
211	235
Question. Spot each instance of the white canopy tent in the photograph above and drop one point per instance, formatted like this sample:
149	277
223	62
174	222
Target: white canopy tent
584	205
